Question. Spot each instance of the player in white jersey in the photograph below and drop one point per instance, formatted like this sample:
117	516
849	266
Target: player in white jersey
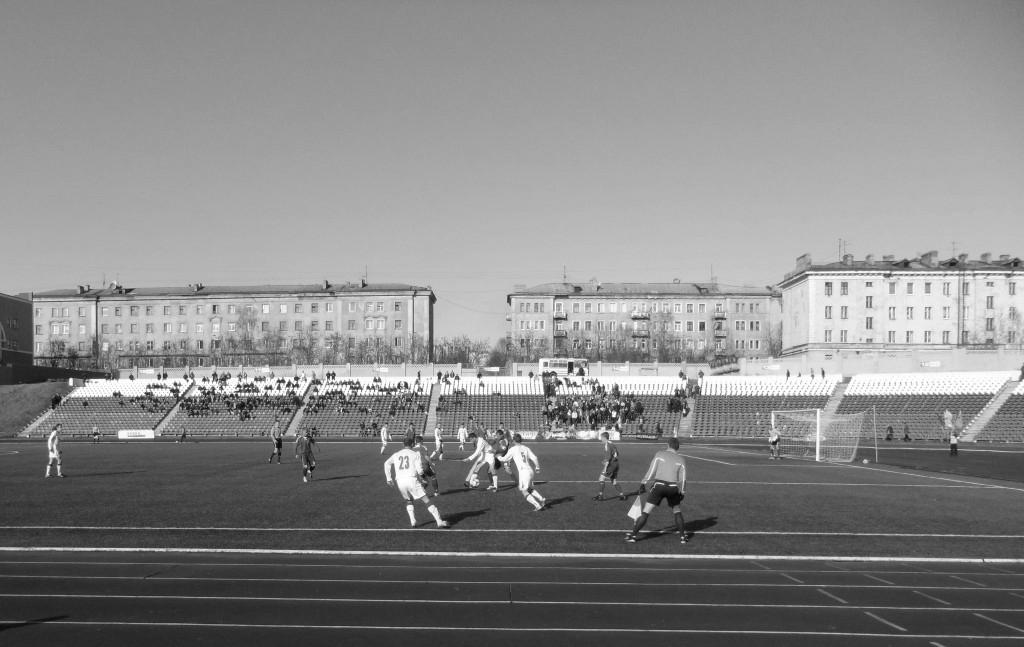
438	444
463	436
53	450
527	466
484	455
385	438
429	474
405	469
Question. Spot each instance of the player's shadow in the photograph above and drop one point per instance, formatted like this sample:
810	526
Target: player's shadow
692	526
343	477
95	474
455	517
28	623
554	502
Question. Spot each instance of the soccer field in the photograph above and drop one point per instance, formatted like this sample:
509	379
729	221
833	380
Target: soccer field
224	495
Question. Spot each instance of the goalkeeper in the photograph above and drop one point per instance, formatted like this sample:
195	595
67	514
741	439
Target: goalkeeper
668	468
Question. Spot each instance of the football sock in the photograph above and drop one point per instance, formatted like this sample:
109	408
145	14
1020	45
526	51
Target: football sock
680	525
432	509
639	523
412	513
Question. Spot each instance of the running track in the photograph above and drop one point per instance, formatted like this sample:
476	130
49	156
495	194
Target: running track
303	599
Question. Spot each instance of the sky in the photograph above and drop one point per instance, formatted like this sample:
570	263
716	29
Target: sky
475	145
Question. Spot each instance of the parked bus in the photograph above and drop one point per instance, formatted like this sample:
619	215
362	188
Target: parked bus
563	366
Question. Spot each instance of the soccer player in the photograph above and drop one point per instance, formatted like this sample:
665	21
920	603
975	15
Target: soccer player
276	438
53	450
305	447
501	446
669	472
526	465
484	455
773	443
463	436
429	474
95	434
405	469
385	438
438	444
609	469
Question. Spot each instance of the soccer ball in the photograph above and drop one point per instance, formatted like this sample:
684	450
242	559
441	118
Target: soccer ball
866	461
474	480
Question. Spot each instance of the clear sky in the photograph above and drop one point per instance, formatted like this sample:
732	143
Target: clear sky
474	145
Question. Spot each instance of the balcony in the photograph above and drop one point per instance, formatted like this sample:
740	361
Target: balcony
637	315
561	333
720	316
641	333
721	334
559	315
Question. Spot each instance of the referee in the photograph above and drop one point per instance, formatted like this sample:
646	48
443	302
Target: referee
669	472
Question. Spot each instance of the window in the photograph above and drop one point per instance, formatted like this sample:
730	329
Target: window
828	336
182	310
81	311
368	324
297	309
265	326
150	345
298	326
329	307
182	328
1011	337
990	302
844	312
828	312
927	287
828	288
1013	288
702	326
149	329
990	323
892	313
351	324
927	336
81	329
869	302
910	312
199	329
755	326
199	346
282	308
892	336
689	308
945	289
265	308
587	308
910	287
133	328
328	325
398	324
215	309
702	308
133	311
183	345
380	306
167	328
892	287
677	326
200	309
575	308
869	323
231	327
741	325
1012	313
282	326
990	284
842	336
588	325
104	311
844	288
576	325
677	308
314	308
232	309
215	328
104	328
945	336
967	289
945	312
910	336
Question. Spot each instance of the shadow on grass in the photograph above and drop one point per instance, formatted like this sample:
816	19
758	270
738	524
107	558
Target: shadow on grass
95	474
28	623
455	517
344	477
691	527
565	499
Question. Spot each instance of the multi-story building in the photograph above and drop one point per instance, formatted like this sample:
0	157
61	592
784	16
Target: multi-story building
661	321
15	330
199	325
903	304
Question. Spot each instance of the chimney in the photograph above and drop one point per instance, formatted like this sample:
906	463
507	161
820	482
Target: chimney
81	289
847	259
962	258
986	257
928	258
362	283
327	284
870	259
197	287
803	261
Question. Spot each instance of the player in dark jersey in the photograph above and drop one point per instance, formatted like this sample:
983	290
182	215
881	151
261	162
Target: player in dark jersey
668	468
304	448
609	469
429	473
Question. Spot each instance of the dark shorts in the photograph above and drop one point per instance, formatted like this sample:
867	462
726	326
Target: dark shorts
663	490
612	471
428	471
277	443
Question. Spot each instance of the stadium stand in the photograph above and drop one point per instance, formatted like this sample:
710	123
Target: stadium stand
112	405
357	407
919	400
238	406
742	405
1007	425
514	402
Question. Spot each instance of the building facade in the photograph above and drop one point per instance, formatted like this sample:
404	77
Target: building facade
642	321
914	303
15	330
199	325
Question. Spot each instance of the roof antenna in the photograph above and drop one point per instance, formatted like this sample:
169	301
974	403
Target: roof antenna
565	276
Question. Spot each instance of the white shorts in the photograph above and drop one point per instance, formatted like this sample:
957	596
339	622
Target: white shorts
525	480
410	490
55	456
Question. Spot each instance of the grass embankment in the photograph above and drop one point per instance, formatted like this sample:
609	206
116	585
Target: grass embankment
21	403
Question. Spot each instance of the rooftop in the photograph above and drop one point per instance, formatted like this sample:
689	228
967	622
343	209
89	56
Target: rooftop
928	261
325	287
641	290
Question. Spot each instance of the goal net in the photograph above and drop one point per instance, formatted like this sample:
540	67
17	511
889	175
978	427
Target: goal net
811	434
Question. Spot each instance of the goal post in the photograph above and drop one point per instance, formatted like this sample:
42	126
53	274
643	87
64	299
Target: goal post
812	434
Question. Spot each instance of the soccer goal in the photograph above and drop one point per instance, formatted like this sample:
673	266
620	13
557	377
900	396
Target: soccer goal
811	434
